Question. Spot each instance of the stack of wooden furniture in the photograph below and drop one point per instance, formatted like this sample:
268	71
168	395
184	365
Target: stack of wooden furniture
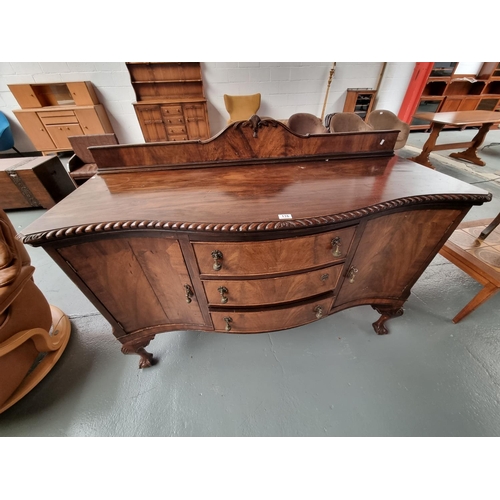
171	104
445	91
51	112
254	230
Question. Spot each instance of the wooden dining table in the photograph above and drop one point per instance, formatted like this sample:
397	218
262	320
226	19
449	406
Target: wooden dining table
483	119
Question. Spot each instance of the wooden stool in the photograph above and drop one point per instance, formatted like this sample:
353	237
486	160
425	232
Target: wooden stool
474	247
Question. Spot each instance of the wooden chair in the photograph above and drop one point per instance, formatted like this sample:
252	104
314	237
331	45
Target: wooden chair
382	119
306	123
29	326
348	122
241	107
474	247
82	165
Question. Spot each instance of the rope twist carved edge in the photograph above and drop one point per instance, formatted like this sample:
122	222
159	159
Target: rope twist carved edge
73	231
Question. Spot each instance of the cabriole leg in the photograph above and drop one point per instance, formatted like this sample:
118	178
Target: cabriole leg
137	347
386	314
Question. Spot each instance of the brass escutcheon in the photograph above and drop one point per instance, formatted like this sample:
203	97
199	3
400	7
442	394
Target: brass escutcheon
336	244
217	256
228	326
352	273
189	293
324	277
319	312
222	290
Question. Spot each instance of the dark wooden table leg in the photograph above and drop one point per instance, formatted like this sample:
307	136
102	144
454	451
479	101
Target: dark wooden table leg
470	154
489	228
423	157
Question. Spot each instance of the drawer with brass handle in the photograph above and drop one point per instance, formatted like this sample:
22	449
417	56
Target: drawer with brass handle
272	319
252	292
258	258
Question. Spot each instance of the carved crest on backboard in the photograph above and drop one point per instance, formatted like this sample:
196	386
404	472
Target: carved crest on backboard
255	123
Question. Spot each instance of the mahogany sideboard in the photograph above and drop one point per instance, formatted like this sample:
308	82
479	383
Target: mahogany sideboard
254	230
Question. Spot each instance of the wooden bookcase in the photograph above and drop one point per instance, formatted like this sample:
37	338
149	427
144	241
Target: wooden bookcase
171	104
51	112
447	91
359	101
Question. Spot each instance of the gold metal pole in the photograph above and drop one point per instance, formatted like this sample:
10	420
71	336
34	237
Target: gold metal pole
332	72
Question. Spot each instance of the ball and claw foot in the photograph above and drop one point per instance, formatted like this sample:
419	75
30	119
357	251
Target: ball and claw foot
146	360
386	314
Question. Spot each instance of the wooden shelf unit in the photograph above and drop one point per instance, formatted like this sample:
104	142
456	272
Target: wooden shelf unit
447	91
171	104
51	112
359	101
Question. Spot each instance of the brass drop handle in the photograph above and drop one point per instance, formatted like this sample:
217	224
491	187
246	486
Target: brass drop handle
222	290
228	326
319	312
189	293
351	274
336	244
217	256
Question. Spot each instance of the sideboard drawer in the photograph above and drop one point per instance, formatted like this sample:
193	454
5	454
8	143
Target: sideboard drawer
174	120
171	110
58	118
271	319
258	258
272	290
178	130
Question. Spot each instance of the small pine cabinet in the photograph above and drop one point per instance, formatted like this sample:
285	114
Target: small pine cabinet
359	101
52	112
171	104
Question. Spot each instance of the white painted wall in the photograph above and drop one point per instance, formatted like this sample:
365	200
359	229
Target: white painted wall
286	88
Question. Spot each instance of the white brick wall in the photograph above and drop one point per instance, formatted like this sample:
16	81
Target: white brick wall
286	88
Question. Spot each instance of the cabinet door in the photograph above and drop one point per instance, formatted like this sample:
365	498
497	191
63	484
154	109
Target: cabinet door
393	252
469	103
151	123
140	281
35	129
451	104
195	116
60	134
90	120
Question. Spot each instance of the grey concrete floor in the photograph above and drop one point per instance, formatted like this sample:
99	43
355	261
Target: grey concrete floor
335	377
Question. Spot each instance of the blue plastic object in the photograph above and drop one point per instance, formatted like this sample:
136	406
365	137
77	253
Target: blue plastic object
6	138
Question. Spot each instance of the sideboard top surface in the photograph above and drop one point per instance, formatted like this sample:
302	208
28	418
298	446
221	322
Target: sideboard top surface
250	197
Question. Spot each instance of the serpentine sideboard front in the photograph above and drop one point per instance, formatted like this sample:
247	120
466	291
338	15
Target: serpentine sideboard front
255	230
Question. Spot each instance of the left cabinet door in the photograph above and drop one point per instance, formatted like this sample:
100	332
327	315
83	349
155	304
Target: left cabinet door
151	123
141	281
35	130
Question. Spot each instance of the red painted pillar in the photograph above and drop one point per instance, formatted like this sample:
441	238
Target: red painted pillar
415	88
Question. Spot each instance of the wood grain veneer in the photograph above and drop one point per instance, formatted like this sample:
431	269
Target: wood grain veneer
287	228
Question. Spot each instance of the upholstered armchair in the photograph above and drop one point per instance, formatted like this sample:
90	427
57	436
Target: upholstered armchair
383	119
33	334
241	107
306	123
348	122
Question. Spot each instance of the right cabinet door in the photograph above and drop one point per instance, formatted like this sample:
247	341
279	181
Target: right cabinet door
393	252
